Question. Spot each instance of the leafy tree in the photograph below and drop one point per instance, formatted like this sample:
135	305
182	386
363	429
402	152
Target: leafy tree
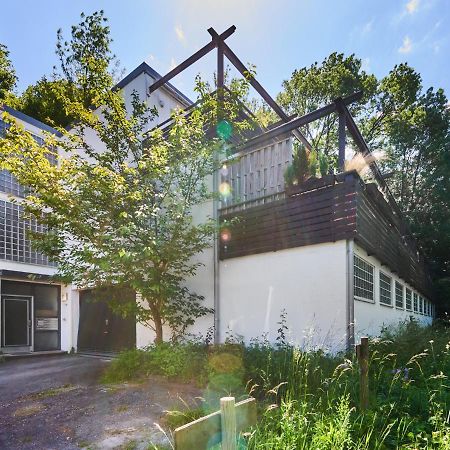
82	59
412	128
122	215
312	87
44	101
8	77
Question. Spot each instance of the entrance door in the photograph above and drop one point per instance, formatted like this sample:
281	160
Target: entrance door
17	321
100	330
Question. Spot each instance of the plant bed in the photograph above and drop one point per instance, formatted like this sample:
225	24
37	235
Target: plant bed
310	184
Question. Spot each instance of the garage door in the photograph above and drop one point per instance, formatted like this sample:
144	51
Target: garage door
100	330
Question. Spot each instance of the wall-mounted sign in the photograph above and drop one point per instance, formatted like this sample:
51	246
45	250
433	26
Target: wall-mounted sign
47	323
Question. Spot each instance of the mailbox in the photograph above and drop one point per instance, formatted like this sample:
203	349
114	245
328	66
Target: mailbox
47	323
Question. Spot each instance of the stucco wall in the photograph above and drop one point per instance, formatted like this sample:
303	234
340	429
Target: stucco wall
371	317
308	282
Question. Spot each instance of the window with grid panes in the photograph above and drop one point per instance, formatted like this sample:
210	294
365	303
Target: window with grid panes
398	295
415	302
421	306
385	289
408	299
363	279
14	242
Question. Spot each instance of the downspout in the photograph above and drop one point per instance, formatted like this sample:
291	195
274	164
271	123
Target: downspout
216	263
220	86
350	300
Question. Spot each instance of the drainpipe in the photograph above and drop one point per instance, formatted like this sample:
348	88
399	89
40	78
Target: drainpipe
350	302
216	262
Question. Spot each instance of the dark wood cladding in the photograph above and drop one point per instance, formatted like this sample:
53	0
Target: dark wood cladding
384	235
326	213
327	210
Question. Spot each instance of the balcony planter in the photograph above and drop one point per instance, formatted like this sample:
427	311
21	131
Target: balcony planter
310	184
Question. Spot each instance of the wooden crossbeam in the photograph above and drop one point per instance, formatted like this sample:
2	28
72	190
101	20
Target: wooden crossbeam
191	60
300	121
240	66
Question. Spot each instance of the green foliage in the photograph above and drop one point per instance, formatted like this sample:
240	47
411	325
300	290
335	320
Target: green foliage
312	87
122	217
183	362
304	165
44	101
8	77
310	400
410	124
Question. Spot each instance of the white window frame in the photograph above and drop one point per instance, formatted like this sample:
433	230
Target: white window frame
407	289
415	302
357	297
396	282
390	305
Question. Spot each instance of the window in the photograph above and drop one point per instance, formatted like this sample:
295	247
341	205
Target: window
421	305
408	299
416	305
14	243
362	279
385	289
427	307
398	295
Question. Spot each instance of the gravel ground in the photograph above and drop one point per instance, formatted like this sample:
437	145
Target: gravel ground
52	403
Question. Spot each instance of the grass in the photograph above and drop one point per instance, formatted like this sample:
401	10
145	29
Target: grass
309	400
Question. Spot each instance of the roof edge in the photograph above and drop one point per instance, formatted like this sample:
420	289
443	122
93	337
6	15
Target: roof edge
144	67
30	120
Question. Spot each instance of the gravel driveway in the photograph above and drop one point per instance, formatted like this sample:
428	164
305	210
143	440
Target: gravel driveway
57	403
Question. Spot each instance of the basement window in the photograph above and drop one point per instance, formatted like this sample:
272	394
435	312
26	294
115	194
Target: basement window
408	299
385	289
398	295
362	279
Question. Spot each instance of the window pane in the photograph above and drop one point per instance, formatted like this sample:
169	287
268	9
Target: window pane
14	242
385	289
362	279
416	306
408	299
398	295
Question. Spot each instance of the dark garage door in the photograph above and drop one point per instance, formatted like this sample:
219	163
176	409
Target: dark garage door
100	330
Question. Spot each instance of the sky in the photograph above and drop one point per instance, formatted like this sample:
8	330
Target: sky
277	36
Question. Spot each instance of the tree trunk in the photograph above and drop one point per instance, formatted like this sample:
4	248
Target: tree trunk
158	328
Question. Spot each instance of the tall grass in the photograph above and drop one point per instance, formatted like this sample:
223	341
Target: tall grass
309	400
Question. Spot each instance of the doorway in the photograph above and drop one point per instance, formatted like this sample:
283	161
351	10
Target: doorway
17	321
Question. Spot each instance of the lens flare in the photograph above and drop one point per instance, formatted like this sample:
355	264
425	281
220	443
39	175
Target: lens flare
224	130
225	235
224	170
225	189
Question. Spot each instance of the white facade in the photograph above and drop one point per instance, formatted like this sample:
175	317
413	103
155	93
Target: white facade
372	316
308	283
313	285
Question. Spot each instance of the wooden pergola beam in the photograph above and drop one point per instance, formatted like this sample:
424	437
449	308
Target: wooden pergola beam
240	66
303	120
191	60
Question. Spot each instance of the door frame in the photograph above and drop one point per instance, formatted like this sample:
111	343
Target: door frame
30	313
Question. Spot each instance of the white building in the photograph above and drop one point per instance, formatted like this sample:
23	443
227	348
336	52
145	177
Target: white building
331	255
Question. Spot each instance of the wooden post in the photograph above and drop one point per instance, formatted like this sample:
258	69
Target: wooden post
362	353
228	420
342	141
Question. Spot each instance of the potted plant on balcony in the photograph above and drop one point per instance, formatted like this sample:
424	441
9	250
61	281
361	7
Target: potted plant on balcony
301	174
